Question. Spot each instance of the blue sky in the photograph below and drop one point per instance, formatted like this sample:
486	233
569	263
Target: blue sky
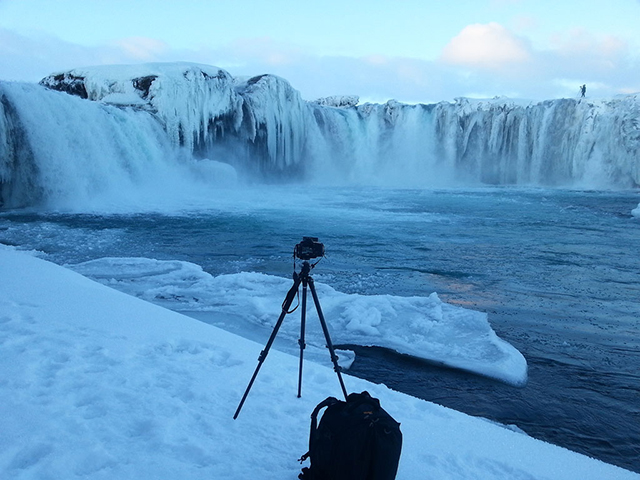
409	50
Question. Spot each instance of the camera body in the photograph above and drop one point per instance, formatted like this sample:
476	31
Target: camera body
308	248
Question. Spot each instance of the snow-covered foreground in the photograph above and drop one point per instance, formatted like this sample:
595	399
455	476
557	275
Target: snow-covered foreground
99	384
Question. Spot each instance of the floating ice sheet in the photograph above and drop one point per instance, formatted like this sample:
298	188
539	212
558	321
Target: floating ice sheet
424	327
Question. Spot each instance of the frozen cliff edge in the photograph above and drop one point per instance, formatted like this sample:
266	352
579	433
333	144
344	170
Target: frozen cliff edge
497	141
127	122
555	142
200	105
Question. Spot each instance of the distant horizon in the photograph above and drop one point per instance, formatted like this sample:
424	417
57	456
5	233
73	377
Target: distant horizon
361	100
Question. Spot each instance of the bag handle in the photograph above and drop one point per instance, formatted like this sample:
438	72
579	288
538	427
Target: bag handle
354	400
314	423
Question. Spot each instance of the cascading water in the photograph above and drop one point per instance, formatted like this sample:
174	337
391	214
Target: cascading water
61	149
156	121
561	142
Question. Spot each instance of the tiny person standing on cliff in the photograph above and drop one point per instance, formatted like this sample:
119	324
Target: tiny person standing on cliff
583	90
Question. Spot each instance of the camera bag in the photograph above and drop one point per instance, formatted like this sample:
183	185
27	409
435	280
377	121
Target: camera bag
355	440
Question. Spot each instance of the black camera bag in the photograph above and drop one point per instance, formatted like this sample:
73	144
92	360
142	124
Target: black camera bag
355	440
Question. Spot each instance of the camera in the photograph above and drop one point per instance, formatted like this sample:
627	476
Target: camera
308	248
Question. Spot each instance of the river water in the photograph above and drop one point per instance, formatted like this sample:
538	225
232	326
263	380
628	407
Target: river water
557	271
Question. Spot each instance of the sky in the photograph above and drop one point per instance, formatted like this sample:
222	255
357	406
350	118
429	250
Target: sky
408	50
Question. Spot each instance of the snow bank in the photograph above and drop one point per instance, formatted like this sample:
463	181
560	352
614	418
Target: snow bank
100	385
424	327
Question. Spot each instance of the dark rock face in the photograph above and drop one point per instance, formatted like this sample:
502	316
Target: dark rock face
18	170
143	84
66	82
256	79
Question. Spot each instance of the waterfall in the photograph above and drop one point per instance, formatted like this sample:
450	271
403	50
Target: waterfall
557	142
59	148
88	132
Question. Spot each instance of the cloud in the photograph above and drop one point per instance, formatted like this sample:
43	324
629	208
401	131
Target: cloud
490	58
30	58
523	23
487	46
582	43
605	62
262	50
142	48
483	60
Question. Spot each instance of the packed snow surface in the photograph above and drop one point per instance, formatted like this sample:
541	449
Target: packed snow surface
99	384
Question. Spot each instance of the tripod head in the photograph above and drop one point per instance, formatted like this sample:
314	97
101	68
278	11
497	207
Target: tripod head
308	248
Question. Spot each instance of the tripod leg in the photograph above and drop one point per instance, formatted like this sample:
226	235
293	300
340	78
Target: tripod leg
334	357
265	352
303	321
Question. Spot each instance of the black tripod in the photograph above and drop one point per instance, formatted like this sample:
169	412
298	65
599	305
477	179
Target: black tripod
304	278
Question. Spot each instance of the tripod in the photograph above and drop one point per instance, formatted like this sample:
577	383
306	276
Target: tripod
306	280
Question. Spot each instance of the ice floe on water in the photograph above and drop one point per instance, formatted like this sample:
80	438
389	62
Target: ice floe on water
423	327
